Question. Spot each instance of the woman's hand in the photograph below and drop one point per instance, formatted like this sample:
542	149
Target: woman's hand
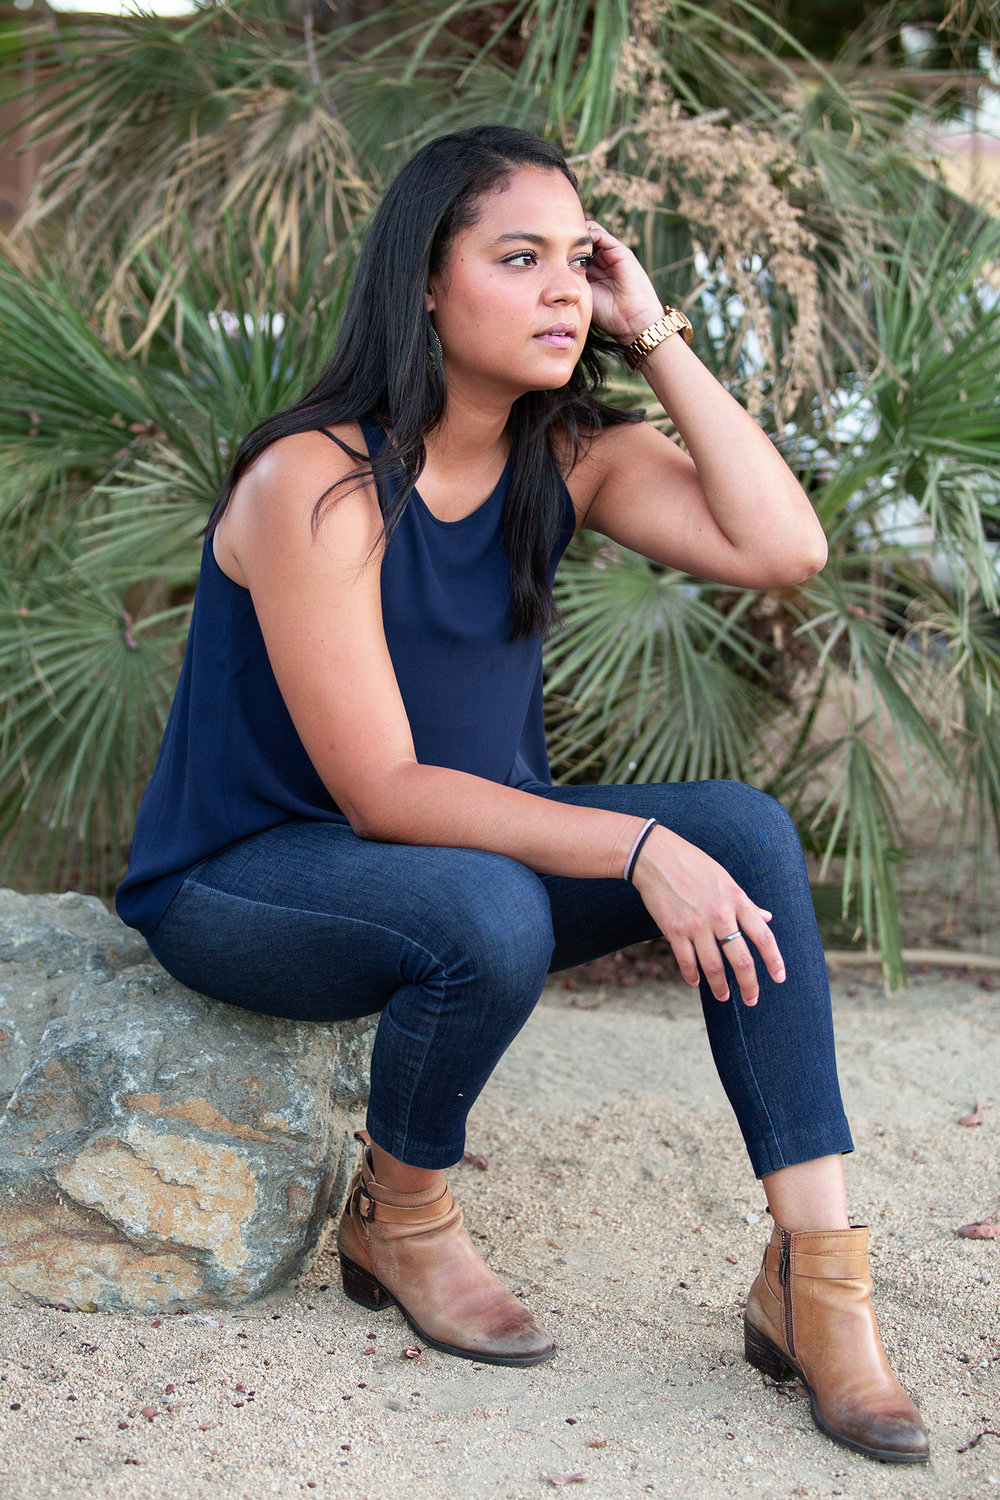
625	301
727	509
694	902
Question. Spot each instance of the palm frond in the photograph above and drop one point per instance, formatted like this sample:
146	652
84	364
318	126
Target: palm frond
647	680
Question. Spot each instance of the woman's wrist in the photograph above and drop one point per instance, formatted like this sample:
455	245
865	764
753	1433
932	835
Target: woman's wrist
671	322
638	844
635	325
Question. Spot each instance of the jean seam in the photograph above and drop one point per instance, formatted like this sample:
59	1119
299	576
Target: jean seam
828	1132
738	1020
403	1126
311	911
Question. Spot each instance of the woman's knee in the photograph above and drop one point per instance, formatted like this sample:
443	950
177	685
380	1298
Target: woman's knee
740	826
500	924
755	838
758	816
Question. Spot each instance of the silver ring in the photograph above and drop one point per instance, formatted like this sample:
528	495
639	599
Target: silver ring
730	939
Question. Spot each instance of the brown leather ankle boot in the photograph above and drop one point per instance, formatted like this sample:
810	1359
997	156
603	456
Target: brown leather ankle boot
809	1314
412	1249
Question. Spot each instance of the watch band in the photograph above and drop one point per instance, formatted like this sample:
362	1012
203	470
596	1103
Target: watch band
673	321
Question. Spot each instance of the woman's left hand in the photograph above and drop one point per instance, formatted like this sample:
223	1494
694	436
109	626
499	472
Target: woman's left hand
625	301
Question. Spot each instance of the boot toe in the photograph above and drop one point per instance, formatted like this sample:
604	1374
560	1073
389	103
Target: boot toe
526	1340
891	1437
907	1438
524	1343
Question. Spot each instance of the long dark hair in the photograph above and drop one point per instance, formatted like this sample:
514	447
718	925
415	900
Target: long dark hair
382	367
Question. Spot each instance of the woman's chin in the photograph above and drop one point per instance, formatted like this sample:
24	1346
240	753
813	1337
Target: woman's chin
553	379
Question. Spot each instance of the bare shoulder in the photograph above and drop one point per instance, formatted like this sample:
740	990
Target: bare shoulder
602	455
289	470
275	500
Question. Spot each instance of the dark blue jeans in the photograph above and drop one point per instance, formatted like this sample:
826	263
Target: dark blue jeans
452	946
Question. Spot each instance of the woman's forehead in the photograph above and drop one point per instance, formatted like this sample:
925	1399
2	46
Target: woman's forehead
532	198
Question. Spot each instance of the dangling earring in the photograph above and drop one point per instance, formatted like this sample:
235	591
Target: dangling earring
435	353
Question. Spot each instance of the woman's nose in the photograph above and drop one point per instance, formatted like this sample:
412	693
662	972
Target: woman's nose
564	287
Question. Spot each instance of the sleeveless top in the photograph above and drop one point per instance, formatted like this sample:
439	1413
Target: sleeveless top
231	763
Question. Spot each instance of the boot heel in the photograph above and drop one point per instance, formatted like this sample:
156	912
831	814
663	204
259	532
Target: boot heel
362	1287
762	1354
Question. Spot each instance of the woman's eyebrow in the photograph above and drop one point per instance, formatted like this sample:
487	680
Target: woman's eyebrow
539	239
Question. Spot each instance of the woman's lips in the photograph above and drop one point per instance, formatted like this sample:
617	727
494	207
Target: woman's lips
557	338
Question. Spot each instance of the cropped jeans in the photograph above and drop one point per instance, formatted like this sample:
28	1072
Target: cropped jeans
452	947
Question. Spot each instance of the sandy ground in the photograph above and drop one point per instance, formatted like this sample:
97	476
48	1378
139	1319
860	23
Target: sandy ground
618	1203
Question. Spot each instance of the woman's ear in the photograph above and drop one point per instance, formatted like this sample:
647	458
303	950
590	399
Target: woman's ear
429	298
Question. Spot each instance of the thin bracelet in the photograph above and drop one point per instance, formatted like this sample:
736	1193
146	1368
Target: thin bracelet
641	838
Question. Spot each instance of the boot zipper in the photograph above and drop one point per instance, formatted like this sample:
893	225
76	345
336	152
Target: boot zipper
785	1281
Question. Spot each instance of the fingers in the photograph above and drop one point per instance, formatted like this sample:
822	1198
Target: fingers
756	931
600	235
687	961
704	955
711	923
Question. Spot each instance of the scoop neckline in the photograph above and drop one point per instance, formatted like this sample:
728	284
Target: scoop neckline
415	492
473	514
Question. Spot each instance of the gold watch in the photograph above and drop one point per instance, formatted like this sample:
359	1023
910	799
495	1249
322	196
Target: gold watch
673	321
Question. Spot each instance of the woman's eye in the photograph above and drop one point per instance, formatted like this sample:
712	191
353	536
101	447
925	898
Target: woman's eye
530	258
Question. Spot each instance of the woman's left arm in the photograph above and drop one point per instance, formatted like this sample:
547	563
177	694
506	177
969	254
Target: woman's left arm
729	509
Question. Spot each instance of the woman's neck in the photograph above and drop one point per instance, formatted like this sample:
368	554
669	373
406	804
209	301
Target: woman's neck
466	454
469	434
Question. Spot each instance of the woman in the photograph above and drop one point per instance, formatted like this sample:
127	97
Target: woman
352	810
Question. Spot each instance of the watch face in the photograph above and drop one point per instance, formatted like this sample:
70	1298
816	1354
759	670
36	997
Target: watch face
672	321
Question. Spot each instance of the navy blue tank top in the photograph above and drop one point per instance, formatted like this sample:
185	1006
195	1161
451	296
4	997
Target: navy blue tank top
231	763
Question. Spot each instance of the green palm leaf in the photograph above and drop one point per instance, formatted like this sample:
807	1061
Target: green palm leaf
647	679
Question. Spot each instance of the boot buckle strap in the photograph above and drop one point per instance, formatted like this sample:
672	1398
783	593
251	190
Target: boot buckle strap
373	1210
845	1266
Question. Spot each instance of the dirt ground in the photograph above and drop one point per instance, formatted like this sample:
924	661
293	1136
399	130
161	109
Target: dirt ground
617	1202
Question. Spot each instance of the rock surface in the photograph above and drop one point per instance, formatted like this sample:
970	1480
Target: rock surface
158	1150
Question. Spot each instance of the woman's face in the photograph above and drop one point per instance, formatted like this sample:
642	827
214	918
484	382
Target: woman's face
512	303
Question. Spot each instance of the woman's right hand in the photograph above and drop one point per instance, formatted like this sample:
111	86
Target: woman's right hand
695	902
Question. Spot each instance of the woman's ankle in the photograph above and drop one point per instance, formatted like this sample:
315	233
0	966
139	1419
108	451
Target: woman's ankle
810	1195
399	1178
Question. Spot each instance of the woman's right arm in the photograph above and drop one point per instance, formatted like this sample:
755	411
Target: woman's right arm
316	593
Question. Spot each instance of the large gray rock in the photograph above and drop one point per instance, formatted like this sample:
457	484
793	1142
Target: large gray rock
159	1150
47	945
